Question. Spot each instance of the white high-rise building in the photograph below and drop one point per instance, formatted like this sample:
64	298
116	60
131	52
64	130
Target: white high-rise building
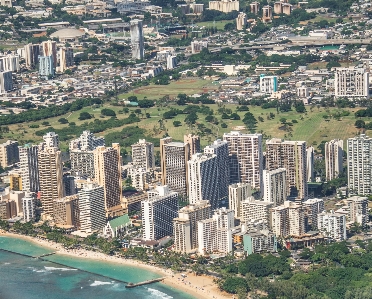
268	84
313	207
332	225
158	212
215	234
51	139
29	206
185	227
141	178
288	220
28	160
202	177
137	39
237	194
171	62
252	210
9	63
7	3
92	208
310	163
221	150
46	66
197	46
275	189
290	155
333	158
352	83
86	142
359	165
143	155
6	82
246	158
358	210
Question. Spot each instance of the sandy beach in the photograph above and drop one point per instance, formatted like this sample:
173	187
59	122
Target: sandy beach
197	286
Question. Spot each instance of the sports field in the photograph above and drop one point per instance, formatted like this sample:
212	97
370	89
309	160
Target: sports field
188	86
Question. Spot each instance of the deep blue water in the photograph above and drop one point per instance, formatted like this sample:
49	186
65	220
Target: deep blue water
25	277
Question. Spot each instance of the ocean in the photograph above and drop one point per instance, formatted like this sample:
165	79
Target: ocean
30	278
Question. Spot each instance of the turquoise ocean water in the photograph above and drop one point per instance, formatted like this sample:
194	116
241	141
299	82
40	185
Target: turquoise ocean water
25	277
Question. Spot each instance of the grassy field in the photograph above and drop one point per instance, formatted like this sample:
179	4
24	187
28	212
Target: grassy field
310	127
219	24
187	86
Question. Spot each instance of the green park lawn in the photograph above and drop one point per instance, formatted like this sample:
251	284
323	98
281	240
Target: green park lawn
311	127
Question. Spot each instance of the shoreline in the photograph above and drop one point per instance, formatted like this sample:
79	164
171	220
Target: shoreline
197	286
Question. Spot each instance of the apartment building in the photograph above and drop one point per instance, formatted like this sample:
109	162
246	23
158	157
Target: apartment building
359	165
246	158
9	63
137	39
241	21
268	84
358	210
49	48
275	189
332	225
174	157
288	220
141	178
290	155
143	155
66	59
86	142
28	163
15	181
252	210
69	185
259	241
92	208
215	234
310	164
32	53
82	163
9	153
333	158
194	144
51	139
6	82
66	211
158	212
107	173
225	6
50	177
312	208
185	227
237	194
352	83
202	177
29	207
197	46
221	150
46	66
